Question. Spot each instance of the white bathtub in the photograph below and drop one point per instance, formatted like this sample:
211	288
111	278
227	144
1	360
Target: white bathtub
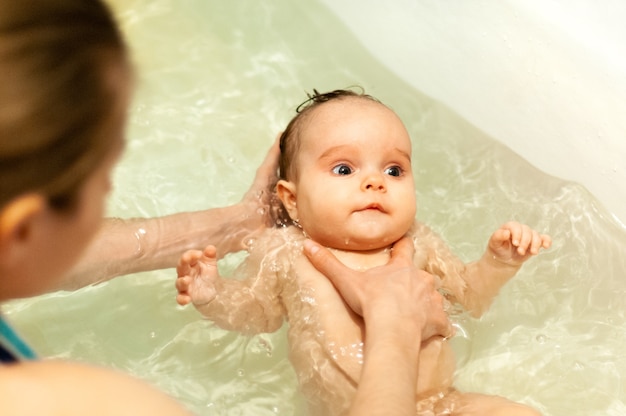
547	78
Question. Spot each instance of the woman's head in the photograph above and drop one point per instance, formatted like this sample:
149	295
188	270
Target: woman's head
63	100
56	60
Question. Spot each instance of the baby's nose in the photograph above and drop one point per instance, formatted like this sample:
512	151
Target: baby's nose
373	182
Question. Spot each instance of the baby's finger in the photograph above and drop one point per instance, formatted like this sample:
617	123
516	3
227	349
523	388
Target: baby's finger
501	235
546	241
536	242
189	259
189	256
515	232
182	268
182	283
524	239
210	251
182	299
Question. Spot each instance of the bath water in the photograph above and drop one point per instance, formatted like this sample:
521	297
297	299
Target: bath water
216	81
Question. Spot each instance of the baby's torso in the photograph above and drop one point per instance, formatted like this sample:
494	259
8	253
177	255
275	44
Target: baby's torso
326	337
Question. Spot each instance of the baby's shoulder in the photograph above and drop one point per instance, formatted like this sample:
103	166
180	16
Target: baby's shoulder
280	243
424	237
277	237
419	228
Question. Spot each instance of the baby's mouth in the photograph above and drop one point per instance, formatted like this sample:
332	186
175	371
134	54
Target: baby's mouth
373	207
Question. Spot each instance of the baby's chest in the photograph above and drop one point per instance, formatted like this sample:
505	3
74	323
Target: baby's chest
323	310
323	330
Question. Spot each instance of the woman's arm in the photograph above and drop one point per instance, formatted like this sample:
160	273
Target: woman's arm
142	244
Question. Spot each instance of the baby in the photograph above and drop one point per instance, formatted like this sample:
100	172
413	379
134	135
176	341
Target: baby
346	182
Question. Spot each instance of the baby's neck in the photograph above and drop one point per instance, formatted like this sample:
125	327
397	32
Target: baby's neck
362	260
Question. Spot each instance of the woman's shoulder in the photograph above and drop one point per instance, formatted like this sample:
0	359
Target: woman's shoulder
63	388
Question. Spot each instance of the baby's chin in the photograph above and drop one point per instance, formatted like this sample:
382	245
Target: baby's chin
357	243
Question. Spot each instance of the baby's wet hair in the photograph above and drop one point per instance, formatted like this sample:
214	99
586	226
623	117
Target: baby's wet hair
289	139
317	97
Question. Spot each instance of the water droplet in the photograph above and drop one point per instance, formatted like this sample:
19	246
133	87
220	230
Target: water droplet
241	372
541	338
274	267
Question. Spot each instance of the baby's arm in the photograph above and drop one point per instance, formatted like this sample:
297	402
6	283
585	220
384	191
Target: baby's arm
249	306
508	248
474	285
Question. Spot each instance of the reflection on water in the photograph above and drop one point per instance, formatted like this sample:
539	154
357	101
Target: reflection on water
216	81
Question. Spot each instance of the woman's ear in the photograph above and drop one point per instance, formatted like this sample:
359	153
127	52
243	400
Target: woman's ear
17	219
287	193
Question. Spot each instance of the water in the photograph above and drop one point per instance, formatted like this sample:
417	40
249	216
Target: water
215	82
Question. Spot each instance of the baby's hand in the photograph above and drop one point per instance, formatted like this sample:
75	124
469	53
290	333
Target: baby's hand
197	277
514	243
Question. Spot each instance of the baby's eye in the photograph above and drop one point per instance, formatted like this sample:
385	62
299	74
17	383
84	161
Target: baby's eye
342	170
394	171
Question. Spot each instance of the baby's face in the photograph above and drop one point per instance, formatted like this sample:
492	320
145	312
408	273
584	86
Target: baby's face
355	189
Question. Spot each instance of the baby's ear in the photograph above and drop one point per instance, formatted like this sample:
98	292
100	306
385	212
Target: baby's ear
287	193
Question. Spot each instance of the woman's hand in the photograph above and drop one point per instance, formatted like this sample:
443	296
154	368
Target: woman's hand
401	308
397	292
258	200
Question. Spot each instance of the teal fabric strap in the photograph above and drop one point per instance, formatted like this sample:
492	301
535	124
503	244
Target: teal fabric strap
12	345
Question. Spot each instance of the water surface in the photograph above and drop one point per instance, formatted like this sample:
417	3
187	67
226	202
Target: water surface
216	82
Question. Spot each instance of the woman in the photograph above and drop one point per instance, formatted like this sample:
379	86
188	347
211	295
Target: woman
66	82
65	89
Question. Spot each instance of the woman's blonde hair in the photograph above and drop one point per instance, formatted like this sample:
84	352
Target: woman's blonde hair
54	96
